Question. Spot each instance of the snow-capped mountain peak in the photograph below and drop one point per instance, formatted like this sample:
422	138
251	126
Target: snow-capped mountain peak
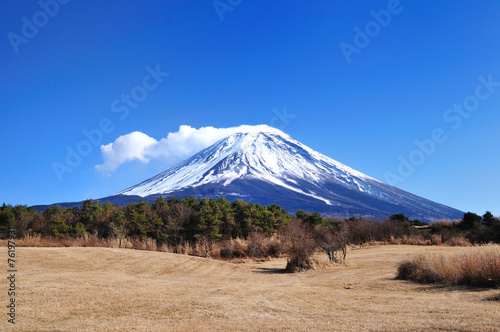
261	152
261	163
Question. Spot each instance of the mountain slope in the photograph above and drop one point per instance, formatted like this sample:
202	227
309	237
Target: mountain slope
267	166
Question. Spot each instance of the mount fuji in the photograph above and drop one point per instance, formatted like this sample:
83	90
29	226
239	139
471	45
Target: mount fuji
264	165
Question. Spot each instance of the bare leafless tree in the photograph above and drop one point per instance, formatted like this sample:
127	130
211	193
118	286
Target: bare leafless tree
300	246
333	241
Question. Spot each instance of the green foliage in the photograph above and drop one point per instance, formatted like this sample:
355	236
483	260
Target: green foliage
176	222
7	219
136	221
227	225
399	218
310	218
209	219
119	226
242	218
488	218
280	216
469	220
80	230
418	223
59	227
402	219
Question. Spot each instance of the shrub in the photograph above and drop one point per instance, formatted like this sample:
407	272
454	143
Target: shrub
274	247
418	270
362	231
457	241
442	223
232	249
300	246
479	266
436	239
333	241
256	245
226	249
202	247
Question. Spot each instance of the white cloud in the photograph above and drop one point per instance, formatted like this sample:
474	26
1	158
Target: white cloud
125	148
174	148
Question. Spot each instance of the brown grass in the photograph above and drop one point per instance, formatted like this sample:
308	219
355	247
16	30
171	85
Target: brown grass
106	289
257	246
435	240
39	241
410	240
478	266
445	223
88	240
457	241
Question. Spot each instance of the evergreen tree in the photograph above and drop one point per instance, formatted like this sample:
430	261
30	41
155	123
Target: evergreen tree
488	218
469	220
209	219
59	227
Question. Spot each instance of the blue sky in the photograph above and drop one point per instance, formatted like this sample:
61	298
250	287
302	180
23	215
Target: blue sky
418	70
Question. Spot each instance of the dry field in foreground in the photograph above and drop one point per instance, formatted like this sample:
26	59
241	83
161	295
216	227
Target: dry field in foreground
104	289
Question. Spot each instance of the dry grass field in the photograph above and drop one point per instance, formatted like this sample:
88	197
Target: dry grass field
475	267
105	289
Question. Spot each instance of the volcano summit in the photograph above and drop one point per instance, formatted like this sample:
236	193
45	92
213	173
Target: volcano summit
264	165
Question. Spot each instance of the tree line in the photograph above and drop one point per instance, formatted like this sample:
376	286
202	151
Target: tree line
169	220
174	222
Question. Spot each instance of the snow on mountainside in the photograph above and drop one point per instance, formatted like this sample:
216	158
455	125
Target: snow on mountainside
263	164
262	153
